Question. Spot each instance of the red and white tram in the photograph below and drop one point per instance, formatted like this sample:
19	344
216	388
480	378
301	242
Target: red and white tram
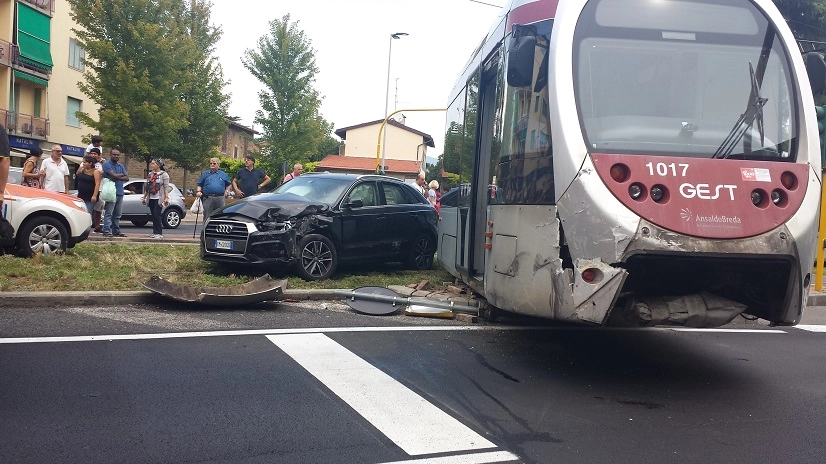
634	162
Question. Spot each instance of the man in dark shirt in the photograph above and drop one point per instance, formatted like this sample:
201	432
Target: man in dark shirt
250	179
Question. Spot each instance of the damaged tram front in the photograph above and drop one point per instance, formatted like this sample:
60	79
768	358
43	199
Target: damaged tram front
622	168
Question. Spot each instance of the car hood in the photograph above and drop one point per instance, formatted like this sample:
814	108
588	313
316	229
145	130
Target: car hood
273	206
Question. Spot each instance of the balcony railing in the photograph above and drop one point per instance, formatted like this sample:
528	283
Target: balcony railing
46	6
25	125
10	56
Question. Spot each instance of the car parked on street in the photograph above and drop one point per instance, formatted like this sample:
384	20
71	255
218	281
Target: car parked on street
316	221
138	213
44	222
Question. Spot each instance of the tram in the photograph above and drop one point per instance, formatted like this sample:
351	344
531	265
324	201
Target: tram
634	163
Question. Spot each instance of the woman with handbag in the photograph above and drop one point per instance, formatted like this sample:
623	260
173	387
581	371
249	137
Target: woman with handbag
31	173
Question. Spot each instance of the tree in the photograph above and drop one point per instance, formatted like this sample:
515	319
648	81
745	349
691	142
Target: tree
292	128
207	102
806	19
328	146
149	67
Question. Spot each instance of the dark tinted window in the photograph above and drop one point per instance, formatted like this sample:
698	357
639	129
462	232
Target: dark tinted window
395	194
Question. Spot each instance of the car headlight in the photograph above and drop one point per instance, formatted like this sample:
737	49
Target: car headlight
80	204
269	226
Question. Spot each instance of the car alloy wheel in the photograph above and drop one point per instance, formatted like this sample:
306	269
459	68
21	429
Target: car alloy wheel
171	218
421	253
42	235
318	258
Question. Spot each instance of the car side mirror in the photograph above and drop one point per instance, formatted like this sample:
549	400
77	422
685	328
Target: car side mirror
357	203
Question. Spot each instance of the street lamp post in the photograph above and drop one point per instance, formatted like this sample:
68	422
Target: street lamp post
397	35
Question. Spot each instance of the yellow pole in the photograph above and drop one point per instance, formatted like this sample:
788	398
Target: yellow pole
379	167
821	235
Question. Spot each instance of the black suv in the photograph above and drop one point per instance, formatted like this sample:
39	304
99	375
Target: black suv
315	221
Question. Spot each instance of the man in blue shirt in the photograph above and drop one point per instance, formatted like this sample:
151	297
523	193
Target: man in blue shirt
212	186
116	172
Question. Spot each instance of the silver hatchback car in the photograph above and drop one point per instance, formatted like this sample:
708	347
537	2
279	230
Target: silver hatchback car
138	213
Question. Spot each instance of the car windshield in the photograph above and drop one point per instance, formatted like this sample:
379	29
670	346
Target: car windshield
683	84
321	189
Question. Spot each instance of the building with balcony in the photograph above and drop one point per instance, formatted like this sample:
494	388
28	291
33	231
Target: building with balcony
41	64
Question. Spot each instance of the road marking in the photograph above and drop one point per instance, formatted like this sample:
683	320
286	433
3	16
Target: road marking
411	422
441	328
762	331
811	328
479	458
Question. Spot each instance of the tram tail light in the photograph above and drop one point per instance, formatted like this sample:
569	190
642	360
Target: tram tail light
591	275
788	180
620	172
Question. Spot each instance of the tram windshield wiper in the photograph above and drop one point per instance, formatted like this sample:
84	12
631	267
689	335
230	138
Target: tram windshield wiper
753	113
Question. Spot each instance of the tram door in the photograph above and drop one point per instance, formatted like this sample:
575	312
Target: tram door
473	198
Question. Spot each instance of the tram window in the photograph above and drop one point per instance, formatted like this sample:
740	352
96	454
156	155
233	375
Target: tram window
524	166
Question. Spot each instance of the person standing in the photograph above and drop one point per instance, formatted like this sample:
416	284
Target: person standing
54	172
97	215
296	172
212	186
116	172
6	229
97	142
432	195
31	171
156	195
88	183
420	183
250	179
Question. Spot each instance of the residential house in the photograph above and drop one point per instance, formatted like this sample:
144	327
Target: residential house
404	152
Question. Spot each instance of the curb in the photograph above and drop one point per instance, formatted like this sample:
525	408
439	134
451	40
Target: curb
139	297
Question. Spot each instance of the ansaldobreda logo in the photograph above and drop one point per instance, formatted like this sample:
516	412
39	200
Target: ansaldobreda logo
685	214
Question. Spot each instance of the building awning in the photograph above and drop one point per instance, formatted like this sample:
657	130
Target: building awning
30	78
33	37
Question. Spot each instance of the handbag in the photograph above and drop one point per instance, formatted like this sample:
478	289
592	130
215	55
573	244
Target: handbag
108	191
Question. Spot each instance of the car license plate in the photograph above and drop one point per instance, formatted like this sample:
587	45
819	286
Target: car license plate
223	244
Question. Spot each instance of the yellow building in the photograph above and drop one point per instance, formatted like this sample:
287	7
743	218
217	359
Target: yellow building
41	65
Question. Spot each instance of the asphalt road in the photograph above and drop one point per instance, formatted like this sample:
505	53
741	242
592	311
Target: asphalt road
315	382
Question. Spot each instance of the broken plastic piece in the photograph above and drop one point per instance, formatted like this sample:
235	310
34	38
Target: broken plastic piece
261	289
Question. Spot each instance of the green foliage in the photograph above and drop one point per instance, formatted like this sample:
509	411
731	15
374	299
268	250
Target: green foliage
806	19
292	128
328	146
231	166
150	69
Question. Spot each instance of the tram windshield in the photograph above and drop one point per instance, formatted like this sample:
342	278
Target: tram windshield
682	78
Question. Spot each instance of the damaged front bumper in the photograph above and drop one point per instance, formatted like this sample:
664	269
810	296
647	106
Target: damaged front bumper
237	240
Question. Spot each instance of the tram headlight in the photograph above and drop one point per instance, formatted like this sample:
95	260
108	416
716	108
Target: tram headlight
635	190
756	197
657	193
779	198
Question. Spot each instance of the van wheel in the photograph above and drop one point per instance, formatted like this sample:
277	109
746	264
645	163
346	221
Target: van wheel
317	257
139	222
42	235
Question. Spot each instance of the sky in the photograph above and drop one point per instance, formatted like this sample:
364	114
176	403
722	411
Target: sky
351	39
